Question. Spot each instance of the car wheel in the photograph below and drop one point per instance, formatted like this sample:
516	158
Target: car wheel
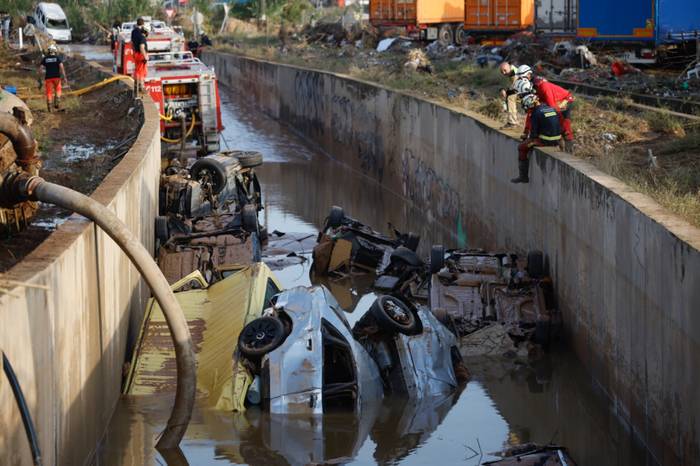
437	258
250	159
412	241
393	315
162	233
403	254
535	264
261	336
249	218
336	217
205	170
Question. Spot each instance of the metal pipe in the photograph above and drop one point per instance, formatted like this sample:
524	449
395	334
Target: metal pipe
21	138
38	189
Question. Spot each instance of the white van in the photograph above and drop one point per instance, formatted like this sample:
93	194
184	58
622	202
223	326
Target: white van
50	19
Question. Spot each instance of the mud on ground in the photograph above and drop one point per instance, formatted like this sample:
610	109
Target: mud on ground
78	145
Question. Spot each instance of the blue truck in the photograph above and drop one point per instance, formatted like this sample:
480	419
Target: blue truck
657	26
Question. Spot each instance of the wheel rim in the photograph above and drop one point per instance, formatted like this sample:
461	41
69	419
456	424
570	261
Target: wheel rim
259	335
397	313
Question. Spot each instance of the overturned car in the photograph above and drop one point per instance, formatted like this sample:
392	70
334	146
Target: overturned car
306	358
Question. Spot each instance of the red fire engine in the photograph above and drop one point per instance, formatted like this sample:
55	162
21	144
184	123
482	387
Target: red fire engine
185	89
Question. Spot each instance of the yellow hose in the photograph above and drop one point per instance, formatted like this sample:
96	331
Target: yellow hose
85	90
176	141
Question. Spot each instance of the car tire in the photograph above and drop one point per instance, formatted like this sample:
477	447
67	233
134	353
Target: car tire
437	258
412	241
405	255
261	336
249	219
162	230
204	168
336	217
394	316
535	264
249	159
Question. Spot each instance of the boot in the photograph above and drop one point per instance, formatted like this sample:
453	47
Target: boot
569	146
136	89
57	103
48	106
523	169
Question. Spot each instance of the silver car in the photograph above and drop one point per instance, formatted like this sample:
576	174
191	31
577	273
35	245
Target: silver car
307	359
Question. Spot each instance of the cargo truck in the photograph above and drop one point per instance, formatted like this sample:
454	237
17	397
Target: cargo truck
441	20
495	16
659	28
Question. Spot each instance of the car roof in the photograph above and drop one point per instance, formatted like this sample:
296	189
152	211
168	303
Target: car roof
52	10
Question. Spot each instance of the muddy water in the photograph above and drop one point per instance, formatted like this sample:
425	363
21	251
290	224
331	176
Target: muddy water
505	403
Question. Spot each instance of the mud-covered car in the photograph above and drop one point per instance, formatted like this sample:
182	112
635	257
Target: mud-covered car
307	358
346	243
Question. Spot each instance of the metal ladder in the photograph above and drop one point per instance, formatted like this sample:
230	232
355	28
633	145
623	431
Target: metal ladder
207	113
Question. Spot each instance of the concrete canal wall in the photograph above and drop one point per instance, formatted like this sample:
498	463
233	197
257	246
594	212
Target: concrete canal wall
67	341
627	273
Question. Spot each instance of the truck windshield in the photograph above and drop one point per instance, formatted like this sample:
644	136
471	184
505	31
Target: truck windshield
57	24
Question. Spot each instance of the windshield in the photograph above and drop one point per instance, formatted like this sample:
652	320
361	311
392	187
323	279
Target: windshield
57	24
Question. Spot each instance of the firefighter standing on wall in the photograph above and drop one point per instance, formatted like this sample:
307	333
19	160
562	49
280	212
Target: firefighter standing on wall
511	95
52	66
542	128
140	45
561	101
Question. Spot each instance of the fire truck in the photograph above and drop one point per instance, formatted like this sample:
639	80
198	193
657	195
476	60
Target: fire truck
185	89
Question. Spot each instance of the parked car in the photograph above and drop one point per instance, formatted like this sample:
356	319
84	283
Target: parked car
50	19
307	359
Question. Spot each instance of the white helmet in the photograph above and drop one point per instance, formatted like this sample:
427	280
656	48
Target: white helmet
522	71
523	86
529	101
52	49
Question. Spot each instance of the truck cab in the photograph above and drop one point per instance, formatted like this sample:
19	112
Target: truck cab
185	89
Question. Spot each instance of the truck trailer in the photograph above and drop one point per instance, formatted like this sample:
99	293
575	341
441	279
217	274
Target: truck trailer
441	20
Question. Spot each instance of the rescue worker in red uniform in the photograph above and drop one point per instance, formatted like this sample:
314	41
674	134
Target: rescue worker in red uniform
561	101
54	72
542	128
140	46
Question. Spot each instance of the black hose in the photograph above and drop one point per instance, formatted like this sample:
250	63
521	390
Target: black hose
23	409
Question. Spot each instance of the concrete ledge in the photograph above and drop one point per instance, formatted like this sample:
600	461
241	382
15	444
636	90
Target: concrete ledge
67	344
626	271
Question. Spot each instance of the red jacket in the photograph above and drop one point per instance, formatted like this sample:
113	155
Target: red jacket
550	93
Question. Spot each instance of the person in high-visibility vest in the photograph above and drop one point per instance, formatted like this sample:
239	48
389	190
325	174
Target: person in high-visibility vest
561	101
542	128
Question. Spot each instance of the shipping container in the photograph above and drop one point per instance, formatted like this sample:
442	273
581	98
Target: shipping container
653	21
498	15
556	16
429	19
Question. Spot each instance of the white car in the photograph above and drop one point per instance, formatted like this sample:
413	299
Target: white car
50	19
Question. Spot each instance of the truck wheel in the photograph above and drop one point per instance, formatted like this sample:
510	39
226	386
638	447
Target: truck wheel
403	254
249	219
535	264
261	336
394	316
461	36
205	170
445	36
250	159
336	217
437	258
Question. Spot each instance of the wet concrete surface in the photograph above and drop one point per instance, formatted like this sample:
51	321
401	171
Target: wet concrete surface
505	403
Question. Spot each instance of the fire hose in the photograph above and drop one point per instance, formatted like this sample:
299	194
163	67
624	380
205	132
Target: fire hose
17	188
85	90
180	139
